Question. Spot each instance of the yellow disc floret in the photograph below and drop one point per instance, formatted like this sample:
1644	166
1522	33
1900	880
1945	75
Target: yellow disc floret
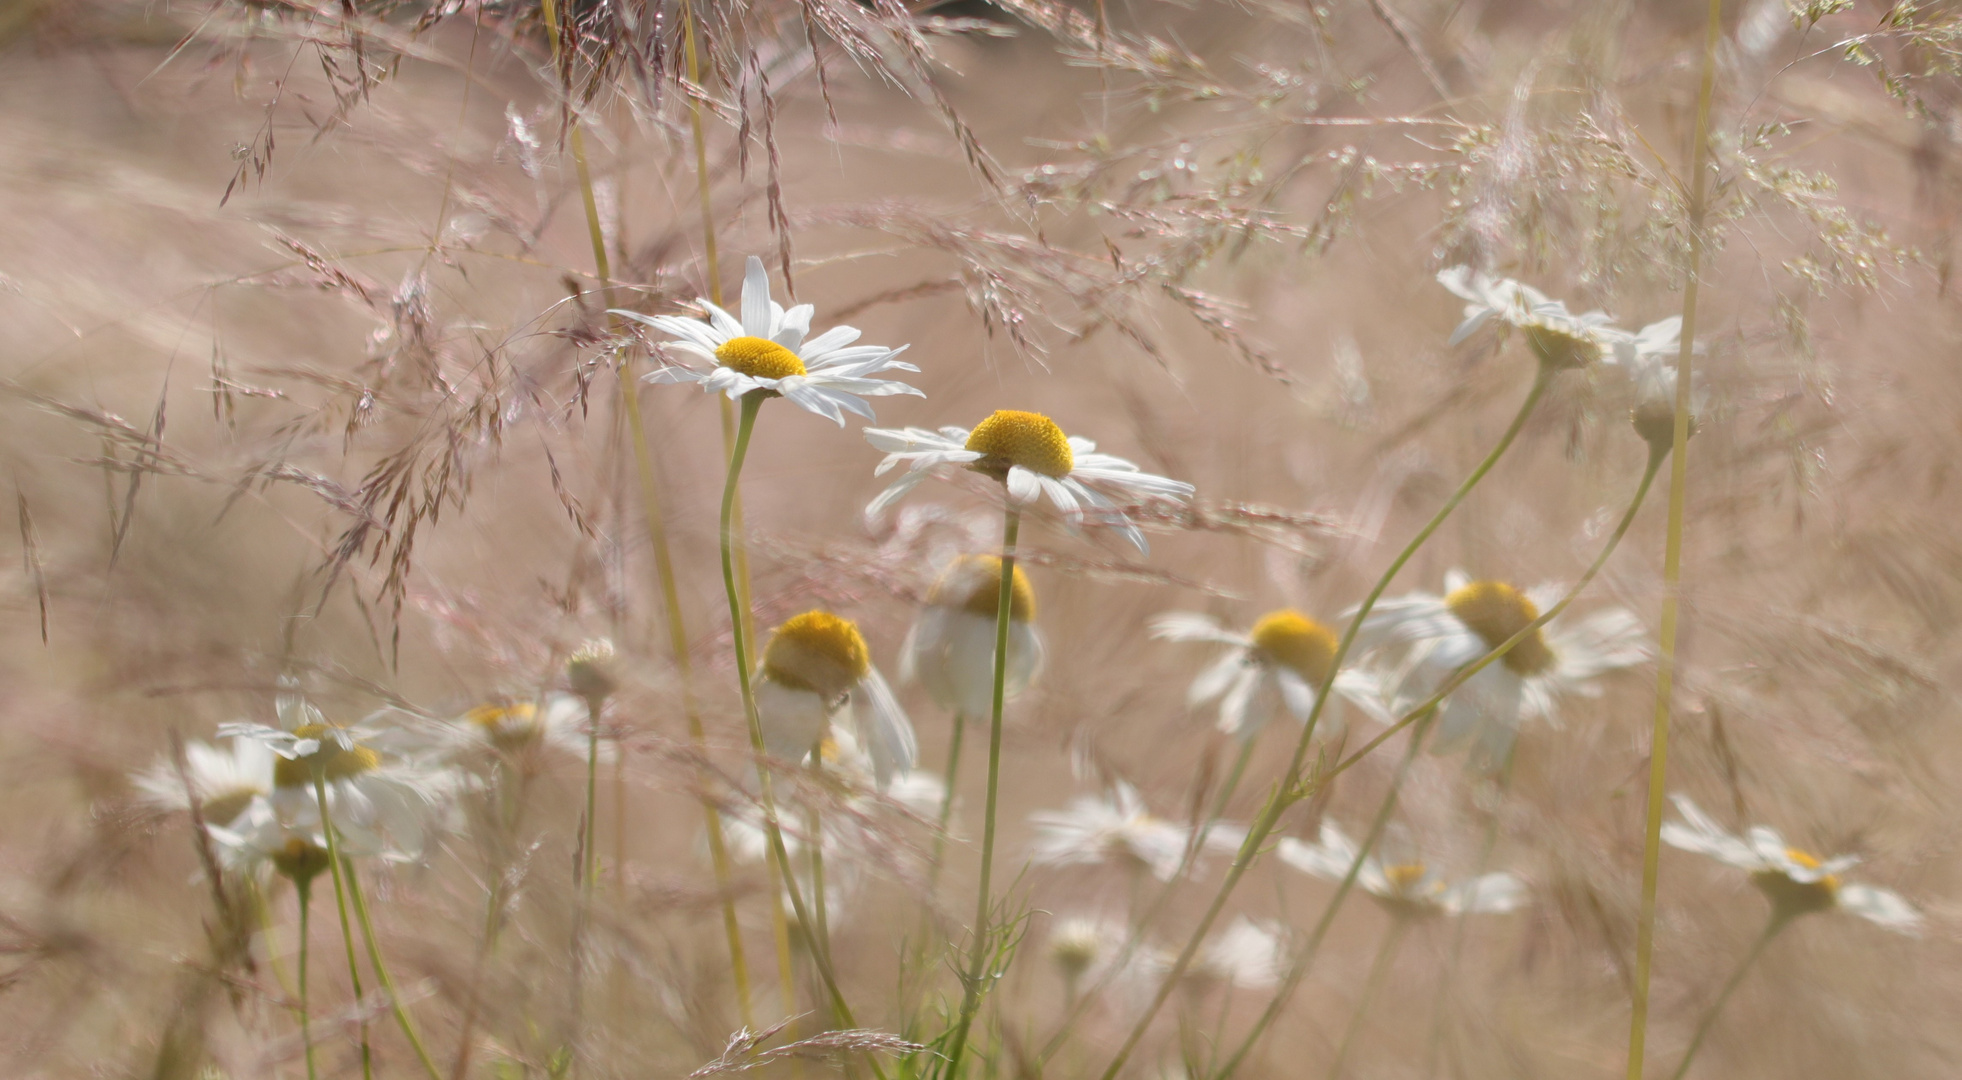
759	358
1293	640
508	727
973	584
1031	440
1404	877
1792	897
819	652
1496	611
337	762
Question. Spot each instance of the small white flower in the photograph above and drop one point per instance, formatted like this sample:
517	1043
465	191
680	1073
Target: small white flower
951	649
1280	662
1649	357
225	780
1093	830
765	351
259	841
1248	955
816	669
558	722
1404	888
1471	618
1795	881
1559	338
1033	459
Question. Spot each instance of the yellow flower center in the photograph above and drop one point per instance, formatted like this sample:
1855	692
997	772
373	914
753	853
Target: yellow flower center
337	762
973	584
1404	877
1789	897
759	358
299	860
819	652
508	727
1558	348
1496	611
1031	440
1293	640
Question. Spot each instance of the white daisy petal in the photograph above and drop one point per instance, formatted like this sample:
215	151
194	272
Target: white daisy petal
1216	678
1191	626
1024	487
756	298
1881	906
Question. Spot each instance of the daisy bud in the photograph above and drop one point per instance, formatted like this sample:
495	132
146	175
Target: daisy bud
590	671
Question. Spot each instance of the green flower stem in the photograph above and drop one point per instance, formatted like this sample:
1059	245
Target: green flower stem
1288	790
1771	928
1379	972
381	970
814	826
973	983
340	905
820	955
589	857
946	806
305	891
1672	559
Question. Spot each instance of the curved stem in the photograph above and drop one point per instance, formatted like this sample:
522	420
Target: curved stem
1703	1026
1379	971
1672	559
972	984
381	974
347	928
305	890
1288	790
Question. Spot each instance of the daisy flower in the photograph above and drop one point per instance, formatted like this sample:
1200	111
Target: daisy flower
225	780
517	727
1029	454
765	351
1094	830
816	669
1559	338
1404	888
1648	356
1247	955
1280	662
1471	618
951	649
1795	881
259	841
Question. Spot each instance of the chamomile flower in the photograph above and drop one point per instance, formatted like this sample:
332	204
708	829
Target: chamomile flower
225	780
1247	955
766	351
1029	454
1795	881
1280	662
259	841
1559	338
558	723
1116	827
816	669
1403	888
1648	356
951	649
1443	633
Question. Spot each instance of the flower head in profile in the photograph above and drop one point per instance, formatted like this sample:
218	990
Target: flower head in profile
766	351
260	841
557	722
1795	881
1442	633
225	780
816	670
1559	338
1405	888
1094	830
951	649
1648	357
1029	455
1279	663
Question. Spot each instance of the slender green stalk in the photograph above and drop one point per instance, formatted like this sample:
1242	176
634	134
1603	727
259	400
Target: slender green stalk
305	891
589	855
972	985
946	805
1771	928
1379	971
814	824
1672	559
1288	791
347	928
381	972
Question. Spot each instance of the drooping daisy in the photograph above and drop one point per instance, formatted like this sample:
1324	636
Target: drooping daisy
1405	889
1029	454
1648	357
258	841
817	669
1280	662
765	351
1795	881
1559	338
225	780
1116	827
1471	618
518	727
951	648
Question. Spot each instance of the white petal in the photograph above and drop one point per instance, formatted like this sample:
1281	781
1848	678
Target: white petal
814	399
835	338
1192	626
1299	697
1023	486
893	493
1882	906
1213	681
1697	832
911	440
1490	894
893	746
1236	707
756	298
796	323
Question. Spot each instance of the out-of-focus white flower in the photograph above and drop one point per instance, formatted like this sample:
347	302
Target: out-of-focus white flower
258	841
765	351
224	779
1795	881
517	727
1114	828
1033	459
1405	888
951	649
1558	337
1649	357
816	669
1247	955
1279	663
1444	633
590	671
